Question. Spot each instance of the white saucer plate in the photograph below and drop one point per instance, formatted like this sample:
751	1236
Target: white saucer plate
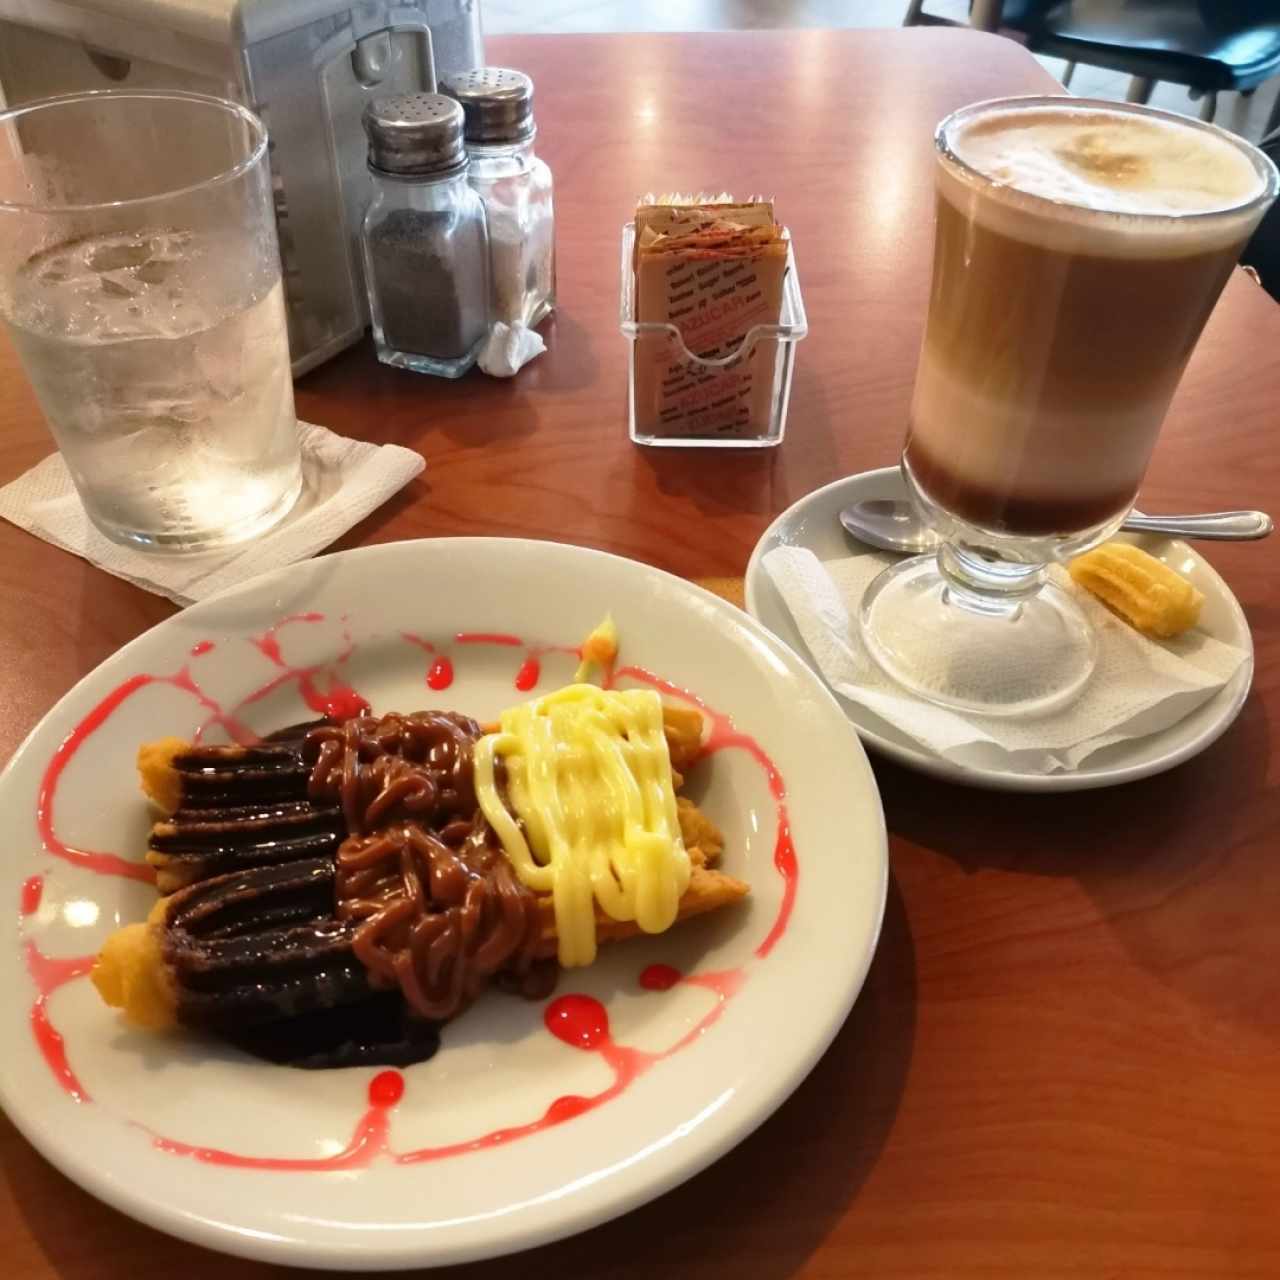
813	523
318	1168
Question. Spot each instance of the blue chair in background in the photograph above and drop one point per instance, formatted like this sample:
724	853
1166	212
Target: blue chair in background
1211	46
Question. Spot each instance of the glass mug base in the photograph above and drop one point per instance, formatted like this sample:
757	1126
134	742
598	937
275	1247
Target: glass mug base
186	537
1023	656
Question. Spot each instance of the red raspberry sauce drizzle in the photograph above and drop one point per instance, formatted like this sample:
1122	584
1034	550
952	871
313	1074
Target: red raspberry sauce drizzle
531	669
109	864
32	892
340	700
440	673
578	1020
659	977
582	1022
368	1141
49	974
200	649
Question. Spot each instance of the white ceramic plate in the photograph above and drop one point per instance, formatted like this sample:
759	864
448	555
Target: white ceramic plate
812	522
162	1106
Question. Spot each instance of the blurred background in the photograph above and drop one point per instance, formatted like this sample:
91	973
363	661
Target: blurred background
1247	30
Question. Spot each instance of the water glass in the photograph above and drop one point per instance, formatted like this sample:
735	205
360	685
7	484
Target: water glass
140	284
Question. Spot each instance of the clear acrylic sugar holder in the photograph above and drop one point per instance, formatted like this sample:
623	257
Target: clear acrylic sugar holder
767	350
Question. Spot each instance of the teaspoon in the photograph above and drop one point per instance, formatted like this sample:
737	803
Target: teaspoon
893	525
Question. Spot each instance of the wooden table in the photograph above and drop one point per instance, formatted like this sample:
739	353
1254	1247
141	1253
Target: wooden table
1066	1059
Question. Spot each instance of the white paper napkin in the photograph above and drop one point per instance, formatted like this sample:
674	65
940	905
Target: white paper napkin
1139	687
508	348
343	481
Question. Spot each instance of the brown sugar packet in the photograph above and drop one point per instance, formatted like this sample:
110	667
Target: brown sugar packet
714	271
715	237
656	222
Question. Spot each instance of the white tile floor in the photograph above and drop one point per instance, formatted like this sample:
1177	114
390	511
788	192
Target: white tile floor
1245	115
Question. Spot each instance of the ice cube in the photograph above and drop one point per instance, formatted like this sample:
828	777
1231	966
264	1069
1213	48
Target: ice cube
120	284
155	271
170	246
120	252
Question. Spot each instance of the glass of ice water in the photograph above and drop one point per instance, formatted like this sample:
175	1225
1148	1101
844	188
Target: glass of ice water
140	283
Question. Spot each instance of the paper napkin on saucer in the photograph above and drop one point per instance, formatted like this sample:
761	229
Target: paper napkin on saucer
343	481
1138	688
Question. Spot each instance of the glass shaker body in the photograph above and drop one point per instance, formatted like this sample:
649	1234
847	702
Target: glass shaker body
426	257
516	187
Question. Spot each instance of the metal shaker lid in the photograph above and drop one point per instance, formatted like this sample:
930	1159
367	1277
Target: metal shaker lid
498	103
415	133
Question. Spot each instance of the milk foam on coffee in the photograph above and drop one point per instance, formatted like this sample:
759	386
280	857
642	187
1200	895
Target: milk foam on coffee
1109	161
1091	160
1060	322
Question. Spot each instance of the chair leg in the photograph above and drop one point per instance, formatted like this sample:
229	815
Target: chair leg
1273	120
1067	72
984	15
1140	89
1209	107
912	16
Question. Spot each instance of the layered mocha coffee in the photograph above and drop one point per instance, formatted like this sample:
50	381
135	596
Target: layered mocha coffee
1079	252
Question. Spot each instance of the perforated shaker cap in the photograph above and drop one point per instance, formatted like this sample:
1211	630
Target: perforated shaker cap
415	133
498	103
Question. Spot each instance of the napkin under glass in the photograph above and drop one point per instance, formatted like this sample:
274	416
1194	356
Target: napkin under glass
1139	687
343	481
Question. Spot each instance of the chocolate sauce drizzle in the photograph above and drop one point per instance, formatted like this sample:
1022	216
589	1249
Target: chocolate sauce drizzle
437	919
437	908
336	891
378	767
259	944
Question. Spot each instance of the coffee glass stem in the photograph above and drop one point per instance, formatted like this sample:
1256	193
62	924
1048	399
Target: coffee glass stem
991	587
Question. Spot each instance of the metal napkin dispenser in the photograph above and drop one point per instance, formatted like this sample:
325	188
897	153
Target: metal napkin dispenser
307	67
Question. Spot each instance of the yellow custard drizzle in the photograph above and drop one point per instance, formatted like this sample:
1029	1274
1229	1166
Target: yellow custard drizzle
588	778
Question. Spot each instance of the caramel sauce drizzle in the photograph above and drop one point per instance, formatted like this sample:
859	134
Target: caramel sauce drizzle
439	909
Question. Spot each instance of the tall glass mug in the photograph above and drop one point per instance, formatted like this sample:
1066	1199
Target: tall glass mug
140	284
1080	248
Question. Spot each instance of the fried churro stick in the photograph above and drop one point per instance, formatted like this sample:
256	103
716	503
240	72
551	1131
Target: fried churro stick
708	890
132	974
1144	591
158	775
162	783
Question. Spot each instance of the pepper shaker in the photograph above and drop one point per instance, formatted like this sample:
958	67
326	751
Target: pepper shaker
516	188
425	243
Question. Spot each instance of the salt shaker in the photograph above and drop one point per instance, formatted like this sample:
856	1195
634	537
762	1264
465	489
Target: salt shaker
515	186
426	251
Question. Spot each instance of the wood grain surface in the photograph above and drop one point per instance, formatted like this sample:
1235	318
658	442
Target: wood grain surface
1065	1059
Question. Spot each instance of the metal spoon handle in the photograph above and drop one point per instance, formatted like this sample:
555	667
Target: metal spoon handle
1219	526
